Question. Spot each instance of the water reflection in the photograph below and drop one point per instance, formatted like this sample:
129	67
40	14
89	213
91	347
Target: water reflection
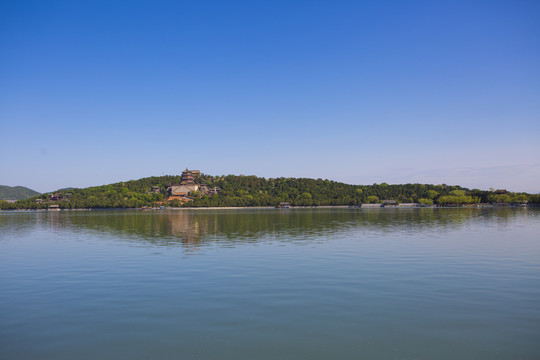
228	227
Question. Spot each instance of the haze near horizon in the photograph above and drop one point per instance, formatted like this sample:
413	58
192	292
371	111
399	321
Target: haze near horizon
366	92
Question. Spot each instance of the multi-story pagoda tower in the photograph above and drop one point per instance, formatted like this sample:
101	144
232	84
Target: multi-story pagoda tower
187	185
187	178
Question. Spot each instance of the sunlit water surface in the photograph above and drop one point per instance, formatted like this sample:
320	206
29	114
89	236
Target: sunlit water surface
271	284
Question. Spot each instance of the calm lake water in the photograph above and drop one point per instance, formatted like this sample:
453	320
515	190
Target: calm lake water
271	284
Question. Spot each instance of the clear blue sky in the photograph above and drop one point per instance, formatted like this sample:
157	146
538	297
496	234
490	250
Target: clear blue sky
95	92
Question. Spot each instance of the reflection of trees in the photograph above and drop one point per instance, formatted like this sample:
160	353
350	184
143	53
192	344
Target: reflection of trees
230	227
17	222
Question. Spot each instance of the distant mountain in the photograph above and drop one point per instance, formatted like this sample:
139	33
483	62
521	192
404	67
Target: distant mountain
66	189
16	192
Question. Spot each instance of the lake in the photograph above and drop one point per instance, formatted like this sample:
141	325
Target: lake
271	284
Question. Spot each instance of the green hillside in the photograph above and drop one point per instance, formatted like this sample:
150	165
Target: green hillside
16	192
239	190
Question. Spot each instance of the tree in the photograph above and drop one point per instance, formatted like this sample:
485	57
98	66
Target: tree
502	198
457	192
175	203
521	198
372	199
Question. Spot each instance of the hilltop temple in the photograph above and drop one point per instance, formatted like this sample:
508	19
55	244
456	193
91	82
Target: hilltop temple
187	184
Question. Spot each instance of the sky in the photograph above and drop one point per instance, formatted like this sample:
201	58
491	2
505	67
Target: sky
97	92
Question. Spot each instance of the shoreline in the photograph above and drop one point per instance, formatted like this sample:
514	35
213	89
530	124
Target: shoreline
490	206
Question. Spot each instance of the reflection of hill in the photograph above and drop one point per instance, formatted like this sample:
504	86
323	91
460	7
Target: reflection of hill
229	227
17	222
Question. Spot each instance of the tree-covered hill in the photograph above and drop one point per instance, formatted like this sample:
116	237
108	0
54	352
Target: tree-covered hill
16	192
255	191
239	190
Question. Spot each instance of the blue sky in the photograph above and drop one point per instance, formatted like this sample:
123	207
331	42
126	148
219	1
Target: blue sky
95	92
